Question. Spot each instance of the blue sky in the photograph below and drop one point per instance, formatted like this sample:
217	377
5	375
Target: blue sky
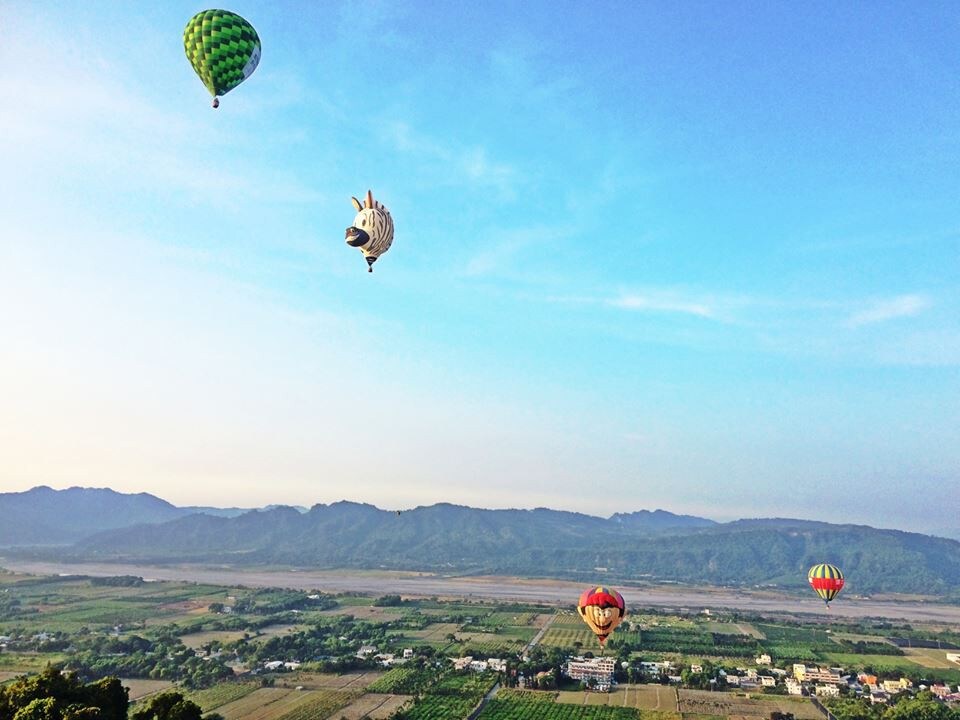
697	256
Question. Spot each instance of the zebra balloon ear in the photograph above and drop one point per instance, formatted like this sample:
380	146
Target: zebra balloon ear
356	204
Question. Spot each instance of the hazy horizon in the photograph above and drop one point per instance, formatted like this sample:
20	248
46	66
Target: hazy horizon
703	258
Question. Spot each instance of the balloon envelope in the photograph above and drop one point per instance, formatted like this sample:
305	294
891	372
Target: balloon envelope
826	580
602	609
223	49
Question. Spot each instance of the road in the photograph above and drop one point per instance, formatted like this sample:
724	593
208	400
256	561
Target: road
560	592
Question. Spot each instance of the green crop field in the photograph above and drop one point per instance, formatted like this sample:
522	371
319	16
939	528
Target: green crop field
528	708
221	694
282	704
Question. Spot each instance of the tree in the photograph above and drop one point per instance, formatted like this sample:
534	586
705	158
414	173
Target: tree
169	706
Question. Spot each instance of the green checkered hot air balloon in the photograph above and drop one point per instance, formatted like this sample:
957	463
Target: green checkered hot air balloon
223	49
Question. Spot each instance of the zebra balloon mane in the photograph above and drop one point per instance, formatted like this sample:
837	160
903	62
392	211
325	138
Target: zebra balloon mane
372	229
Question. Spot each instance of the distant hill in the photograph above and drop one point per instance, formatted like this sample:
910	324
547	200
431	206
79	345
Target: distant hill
644	545
44	516
543	542
645	520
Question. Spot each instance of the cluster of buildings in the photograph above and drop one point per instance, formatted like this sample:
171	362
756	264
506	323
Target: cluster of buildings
385	659
468	663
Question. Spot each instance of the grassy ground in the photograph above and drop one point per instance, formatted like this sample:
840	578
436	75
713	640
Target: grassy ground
931	658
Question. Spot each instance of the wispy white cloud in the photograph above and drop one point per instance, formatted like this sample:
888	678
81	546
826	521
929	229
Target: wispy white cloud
502	252
889	309
648	303
461	164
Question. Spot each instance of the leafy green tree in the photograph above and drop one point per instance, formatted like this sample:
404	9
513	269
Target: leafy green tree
924	706
52	695
169	706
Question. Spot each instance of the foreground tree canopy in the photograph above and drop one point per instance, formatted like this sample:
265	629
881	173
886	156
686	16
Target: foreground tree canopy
52	695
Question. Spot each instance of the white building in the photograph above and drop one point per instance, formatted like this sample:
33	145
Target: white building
828	691
794	687
600	670
763	659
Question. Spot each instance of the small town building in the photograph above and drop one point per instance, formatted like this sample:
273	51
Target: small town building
598	670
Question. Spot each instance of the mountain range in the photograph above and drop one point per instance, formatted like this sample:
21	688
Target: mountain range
100	524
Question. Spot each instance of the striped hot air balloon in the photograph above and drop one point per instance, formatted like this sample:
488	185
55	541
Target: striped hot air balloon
602	609
826	580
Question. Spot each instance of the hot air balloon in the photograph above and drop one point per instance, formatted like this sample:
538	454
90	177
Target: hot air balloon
602	609
826	580
223	49
372	229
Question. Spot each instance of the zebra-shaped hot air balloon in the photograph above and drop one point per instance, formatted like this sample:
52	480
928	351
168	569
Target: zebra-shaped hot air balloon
372	229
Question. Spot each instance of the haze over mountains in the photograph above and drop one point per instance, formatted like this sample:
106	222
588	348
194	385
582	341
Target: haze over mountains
100	524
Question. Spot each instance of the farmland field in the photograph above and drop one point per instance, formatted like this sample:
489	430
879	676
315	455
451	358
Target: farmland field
930	657
893	662
723	704
351	681
518	707
221	694
277	703
199	639
375	707
141	688
643	697
734	628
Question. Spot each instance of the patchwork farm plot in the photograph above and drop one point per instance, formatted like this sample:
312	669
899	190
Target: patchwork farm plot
139	688
374	707
188	635
701	702
521	705
286	704
221	694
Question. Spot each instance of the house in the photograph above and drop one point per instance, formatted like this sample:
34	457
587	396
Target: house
599	670
478	665
866	679
733	680
366	651
794	687
828	691
894	686
768	681
810	674
462	663
497	664
940	691
293	665
273	665
696	668
764	659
